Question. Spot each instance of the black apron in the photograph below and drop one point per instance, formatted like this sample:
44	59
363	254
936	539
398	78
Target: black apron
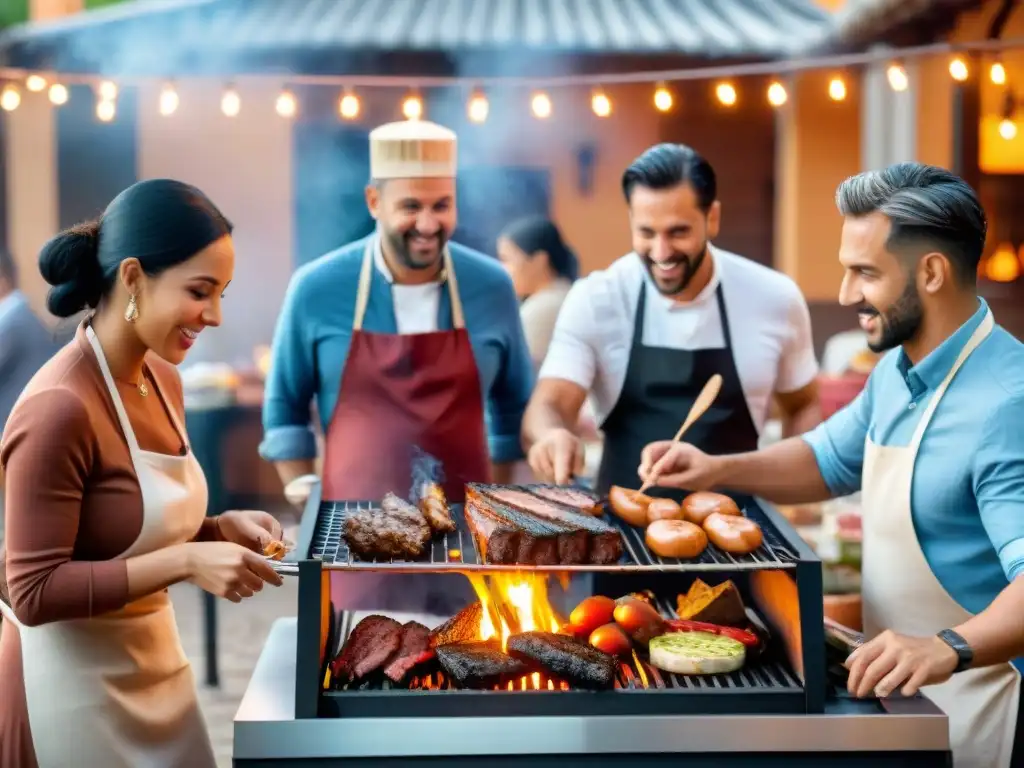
660	387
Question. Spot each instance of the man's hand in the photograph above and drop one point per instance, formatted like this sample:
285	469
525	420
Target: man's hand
891	661
678	465
556	457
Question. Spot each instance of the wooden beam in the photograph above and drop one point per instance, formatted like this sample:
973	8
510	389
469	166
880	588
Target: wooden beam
966	127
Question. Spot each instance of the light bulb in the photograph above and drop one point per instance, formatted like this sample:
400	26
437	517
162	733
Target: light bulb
777	95
540	105
348	106
997	73
478	108
10	98
107	90
958	69
35	83
1003	266
231	103
726	94
286	105
168	101
601	104
106	110
663	99
412	108
898	79
58	94
837	89
1007	128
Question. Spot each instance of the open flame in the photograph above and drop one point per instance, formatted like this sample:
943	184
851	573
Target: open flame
513	603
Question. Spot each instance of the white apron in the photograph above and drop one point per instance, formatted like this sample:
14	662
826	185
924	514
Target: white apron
901	594
116	690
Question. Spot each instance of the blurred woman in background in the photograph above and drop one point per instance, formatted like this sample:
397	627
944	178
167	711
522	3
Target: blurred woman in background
106	503
543	268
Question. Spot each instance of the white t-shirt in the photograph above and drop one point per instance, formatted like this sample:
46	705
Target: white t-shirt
416	306
769	326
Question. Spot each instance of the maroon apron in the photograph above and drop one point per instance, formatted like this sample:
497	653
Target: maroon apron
399	393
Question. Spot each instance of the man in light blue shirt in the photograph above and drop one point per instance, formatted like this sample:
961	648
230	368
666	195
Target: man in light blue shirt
935	443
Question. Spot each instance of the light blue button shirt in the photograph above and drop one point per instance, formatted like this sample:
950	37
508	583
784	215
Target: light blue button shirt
311	344
967	497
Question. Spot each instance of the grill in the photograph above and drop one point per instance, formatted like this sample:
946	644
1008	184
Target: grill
458	550
764	685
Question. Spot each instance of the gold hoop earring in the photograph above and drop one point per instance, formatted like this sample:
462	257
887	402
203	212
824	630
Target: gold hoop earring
132	313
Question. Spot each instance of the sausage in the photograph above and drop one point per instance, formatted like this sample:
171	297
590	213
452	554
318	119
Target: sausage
663	509
611	639
676	538
735	535
697	506
590	614
638	620
629	505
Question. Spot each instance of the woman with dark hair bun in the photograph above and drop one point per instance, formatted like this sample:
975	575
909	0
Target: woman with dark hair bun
106	503
543	268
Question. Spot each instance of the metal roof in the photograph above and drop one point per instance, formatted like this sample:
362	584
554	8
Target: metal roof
861	23
182	33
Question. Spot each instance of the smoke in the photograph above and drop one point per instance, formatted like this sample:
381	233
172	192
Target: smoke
426	470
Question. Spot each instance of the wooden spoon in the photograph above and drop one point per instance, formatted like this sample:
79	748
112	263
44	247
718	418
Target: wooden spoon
699	408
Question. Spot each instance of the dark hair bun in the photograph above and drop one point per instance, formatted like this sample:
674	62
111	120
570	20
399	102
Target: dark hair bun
70	263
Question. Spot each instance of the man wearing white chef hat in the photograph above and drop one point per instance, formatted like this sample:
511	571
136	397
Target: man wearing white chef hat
935	445
403	339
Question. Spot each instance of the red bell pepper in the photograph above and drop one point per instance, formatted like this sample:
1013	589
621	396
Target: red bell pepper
744	636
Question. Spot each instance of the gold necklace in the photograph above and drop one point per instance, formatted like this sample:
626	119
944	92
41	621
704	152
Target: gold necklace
141	385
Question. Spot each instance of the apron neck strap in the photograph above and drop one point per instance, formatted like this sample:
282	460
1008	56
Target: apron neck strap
979	335
115	396
366	277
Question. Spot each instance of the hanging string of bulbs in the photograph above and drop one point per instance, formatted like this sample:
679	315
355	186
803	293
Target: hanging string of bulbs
541	102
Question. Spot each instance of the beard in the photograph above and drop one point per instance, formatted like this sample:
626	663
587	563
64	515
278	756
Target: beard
898	324
414	256
670	285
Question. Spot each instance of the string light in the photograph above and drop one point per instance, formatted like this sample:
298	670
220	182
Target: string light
107	90
106	110
286	106
541	106
35	83
58	94
478	108
898	79
726	94
777	95
837	89
349	106
1007	126
168	100
412	107
600	103
663	98
10	98
230	103
958	69
1007	129
997	73
1003	266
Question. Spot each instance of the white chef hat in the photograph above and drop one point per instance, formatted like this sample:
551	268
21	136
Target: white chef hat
412	149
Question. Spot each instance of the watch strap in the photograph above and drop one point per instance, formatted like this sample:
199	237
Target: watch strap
964	652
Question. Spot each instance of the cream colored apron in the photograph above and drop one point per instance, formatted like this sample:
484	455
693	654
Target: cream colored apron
117	690
901	593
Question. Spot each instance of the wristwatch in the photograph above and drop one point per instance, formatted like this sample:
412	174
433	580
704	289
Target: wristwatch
964	653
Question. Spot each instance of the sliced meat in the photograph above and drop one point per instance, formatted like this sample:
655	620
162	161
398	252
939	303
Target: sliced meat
564	657
371	642
463	627
480	665
397	529
595	541
414	649
434	507
507	537
577	498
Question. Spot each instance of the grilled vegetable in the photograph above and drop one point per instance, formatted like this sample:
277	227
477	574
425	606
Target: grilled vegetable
591	614
629	505
720	604
611	639
696	653
639	620
744	636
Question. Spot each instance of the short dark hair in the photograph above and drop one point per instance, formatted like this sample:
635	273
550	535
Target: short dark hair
930	208
537	233
664	166
8	269
160	222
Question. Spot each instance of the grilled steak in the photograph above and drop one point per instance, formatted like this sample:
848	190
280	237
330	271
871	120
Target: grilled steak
565	657
370	644
480	665
512	538
584	539
463	627
577	498
397	529
414	649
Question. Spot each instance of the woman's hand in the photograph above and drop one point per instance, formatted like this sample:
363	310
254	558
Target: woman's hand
228	570
249	528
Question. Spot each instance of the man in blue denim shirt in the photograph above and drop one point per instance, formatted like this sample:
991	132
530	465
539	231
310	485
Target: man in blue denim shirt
936	447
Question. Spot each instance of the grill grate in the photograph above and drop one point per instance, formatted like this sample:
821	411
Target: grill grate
458	551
